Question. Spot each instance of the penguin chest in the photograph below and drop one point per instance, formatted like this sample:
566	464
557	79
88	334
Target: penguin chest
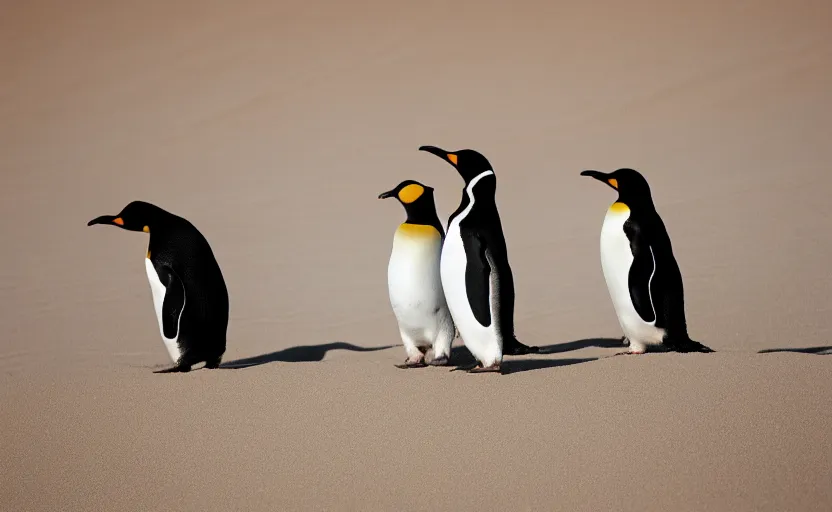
158	290
413	279
454	263
616	260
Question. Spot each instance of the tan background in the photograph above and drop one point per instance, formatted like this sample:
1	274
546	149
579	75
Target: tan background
273	126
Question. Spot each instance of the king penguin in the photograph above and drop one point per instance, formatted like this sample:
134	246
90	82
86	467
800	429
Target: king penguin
476	275
413	279
643	278
189	292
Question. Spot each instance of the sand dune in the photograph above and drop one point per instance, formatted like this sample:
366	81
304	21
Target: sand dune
273	126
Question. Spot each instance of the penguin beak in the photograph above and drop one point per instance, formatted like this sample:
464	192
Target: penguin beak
107	219
601	176
441	153
389	193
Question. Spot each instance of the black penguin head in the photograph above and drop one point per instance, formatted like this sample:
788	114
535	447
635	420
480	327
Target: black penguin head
417	199
136	216
468	163
631	186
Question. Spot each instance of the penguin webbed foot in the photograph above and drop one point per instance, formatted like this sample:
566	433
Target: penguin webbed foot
413	362
407	365
494	368
630	353
440	361
479	368
464	368
213	364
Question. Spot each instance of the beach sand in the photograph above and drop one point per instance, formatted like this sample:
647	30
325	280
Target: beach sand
273	126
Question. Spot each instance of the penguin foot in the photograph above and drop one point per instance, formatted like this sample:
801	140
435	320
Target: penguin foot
213	364
464	368
408	365
180	368
439	361
494	368
630	353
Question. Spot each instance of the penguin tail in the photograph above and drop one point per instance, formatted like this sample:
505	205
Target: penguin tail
690	345
513	347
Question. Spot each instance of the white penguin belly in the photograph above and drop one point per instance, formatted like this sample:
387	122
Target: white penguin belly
158	290
414	283
616	259
484	342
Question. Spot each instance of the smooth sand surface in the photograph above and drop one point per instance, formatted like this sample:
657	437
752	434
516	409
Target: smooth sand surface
273	126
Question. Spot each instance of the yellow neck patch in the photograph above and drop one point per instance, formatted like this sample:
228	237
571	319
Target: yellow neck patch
418	230
617	207
411	193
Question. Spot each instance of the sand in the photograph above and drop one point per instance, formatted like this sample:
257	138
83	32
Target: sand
273	126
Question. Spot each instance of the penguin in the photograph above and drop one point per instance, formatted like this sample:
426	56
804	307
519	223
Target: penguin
189	293
413	280
476	276
643	278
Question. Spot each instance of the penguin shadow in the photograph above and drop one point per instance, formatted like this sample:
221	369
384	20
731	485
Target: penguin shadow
569	346
525	365
461	358
299	354
821	351
511	365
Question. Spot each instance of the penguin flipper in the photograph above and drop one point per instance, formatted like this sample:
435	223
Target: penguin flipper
642	280
477	277
174	302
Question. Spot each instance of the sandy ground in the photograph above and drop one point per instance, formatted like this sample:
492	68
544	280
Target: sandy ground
273	126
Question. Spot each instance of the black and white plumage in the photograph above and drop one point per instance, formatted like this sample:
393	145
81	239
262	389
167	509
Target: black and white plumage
189	293
413	281
642	275
476	275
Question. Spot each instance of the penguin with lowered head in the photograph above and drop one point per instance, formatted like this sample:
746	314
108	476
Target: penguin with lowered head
189	293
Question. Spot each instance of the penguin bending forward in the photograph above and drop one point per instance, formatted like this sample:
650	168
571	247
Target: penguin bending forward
642	275
189	293
413	280
475	271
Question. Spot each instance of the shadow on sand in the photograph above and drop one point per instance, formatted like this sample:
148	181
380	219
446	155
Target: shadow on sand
462	358
300	354
579	344
525	365
808	350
